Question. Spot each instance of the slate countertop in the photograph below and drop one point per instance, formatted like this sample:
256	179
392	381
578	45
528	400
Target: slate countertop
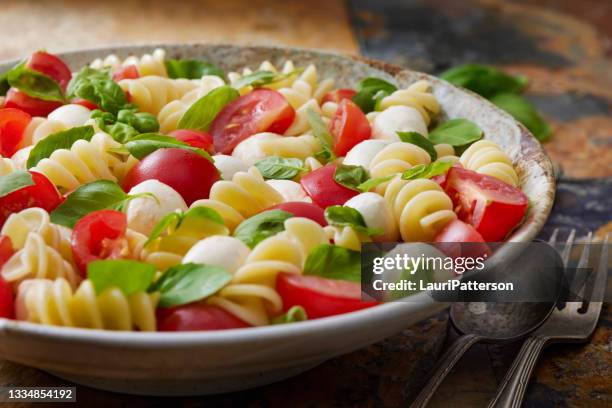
564	49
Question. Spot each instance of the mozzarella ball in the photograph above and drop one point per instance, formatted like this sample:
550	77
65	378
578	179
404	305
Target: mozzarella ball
229	165
249	150
290	190
363	153
397	119
376	214
70	115
228	253
143	213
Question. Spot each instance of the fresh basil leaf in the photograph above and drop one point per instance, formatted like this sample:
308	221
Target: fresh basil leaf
121	132
127	275
341	216
261	78
98	87
174	220
60	140
191	69
35	84
186	283
334	262
280	168
89	197
261	226
14	181
427	170
170	220
374	182
484	80
322	134
456	132
293	315
418	139
371	90
201	114
524	111
146	143
143	122
350	176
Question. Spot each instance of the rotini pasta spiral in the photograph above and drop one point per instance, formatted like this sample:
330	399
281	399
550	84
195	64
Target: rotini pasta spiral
55	303
346	237
486	157
147	64
85	162
38	260
446	153
421	208
152	93
396	158
418	96
39	128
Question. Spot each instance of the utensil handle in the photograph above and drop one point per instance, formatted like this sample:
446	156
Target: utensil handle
444	366
512	389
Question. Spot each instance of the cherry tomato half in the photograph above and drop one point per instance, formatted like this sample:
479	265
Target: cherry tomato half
190	174
493	207
42	194
127	72
195	138
6	293
52	66
303	209
461	239
35	107
196	317
349	127
324	190
84	102
98	235
338	95
13	122
320	297
262	110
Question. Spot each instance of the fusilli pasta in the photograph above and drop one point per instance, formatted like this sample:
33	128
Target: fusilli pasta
147	64
152	93
418	96
487	158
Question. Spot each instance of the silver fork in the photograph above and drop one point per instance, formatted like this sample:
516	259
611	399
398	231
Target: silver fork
571	323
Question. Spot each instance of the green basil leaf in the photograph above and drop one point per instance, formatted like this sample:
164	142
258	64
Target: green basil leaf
427	170
334	262
89	197
524	111
418	139
14	181
127	275
191	69
293	315
322	134
143	122
456	132
484	80
35	84
261	226
341	216
350	176
174	220
98	87
186	283
280	168
201	114
371	90
146	143
261	78
60	140
374	182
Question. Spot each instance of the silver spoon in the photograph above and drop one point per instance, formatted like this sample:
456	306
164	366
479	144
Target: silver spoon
493	322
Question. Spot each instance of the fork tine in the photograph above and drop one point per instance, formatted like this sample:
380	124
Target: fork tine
553	237
601	273
581	277
567	249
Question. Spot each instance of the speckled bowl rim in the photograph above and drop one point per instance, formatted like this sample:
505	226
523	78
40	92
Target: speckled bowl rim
156	339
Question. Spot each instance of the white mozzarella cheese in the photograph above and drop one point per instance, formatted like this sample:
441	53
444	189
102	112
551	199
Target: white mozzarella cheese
228	253
70	115
363	153
397	119
290	190
376	214
229	165
143	213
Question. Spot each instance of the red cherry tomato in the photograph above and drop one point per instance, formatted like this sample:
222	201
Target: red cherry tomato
6	249
493	207
461	239
320	297
42	194
127	72
302	209
195	138
262	110
338	95
35	107
196	317
52	66
84	102
190	174
348	127
323	189
13	122
98	235
6	293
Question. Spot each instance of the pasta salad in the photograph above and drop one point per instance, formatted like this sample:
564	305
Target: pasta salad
165	194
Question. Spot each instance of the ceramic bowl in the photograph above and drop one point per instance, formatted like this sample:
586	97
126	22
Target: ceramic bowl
212	362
